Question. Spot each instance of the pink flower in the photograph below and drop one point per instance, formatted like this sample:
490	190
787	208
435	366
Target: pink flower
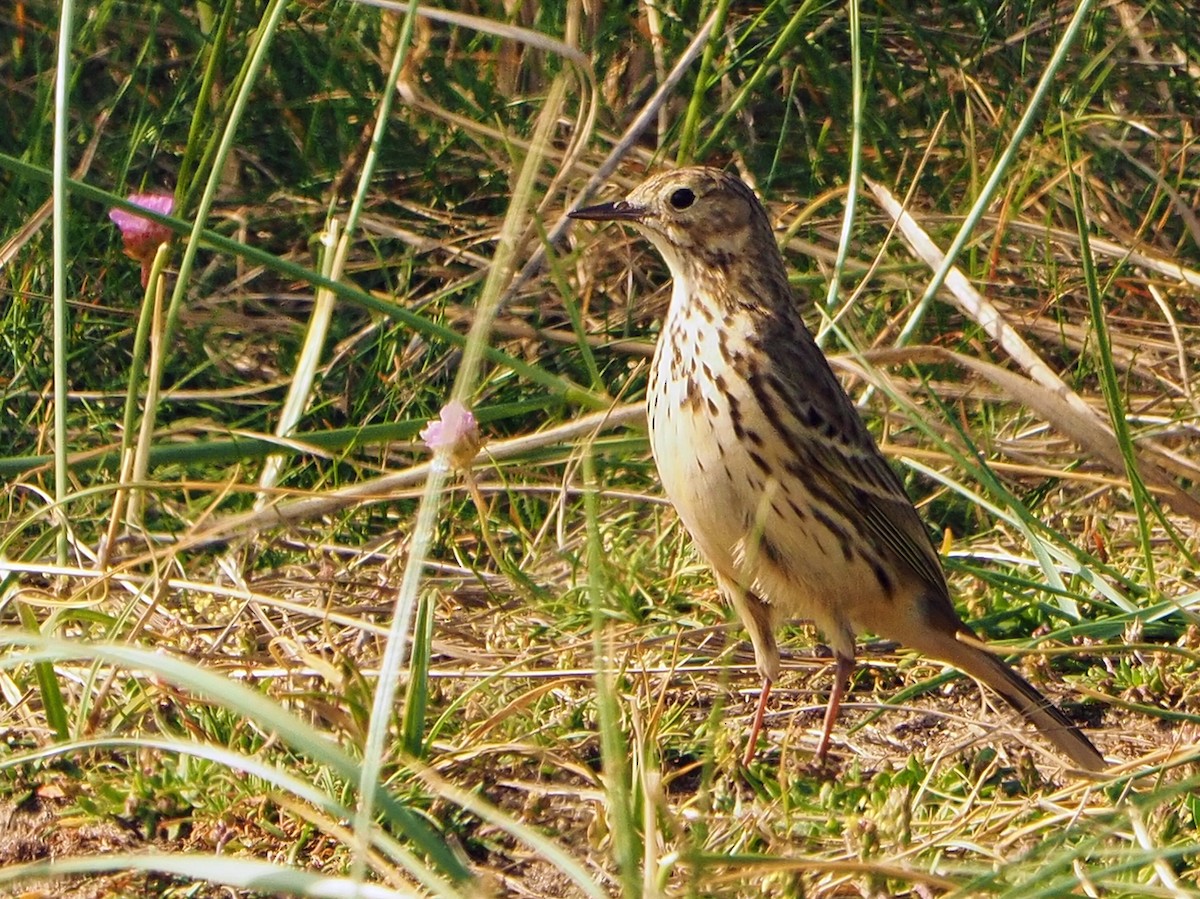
141	235
455	433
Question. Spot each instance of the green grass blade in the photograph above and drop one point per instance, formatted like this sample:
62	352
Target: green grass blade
23	648
66	15
614	748
248	874
254	766
416	694
691	121
1143	501
983	201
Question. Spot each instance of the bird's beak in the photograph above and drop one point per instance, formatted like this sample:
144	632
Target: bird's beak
620	211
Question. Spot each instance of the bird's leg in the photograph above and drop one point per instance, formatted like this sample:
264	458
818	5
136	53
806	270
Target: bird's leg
841	675
756	727
759	619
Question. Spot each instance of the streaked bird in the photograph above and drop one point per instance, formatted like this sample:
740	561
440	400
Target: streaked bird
771	469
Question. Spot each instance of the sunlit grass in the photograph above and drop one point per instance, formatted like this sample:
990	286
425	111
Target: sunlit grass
191	684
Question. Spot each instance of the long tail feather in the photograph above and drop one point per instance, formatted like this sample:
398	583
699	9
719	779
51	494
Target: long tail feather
966	653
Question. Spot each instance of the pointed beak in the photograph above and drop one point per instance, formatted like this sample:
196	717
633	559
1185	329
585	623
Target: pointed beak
620	211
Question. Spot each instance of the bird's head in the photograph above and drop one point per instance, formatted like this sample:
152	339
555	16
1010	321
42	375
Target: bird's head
693	216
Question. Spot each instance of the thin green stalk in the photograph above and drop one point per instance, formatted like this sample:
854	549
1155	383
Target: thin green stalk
691	122
501	271
499	275
201	123
257	59
382	122
268	25
566	295
992	185
59	230
53	705
614	751
396	647
141	341
855	176
333	264
140	464
151	299
304	371
1142	498
748	90
216	131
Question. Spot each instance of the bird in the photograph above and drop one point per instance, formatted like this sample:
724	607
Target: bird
772	470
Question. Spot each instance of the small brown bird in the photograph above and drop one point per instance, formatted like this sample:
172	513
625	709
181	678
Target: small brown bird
772	470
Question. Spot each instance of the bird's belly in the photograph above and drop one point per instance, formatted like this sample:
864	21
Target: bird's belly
698	463
757	524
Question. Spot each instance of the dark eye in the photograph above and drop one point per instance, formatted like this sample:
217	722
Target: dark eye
683	198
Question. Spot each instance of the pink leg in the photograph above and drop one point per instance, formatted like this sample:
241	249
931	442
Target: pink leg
756	727
841	675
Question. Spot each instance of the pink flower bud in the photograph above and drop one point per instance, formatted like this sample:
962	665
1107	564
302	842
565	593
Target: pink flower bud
455	432
142	236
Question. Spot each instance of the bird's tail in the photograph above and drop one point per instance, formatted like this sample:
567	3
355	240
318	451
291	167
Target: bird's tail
966	652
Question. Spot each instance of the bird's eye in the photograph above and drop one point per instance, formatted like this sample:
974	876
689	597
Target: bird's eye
682	198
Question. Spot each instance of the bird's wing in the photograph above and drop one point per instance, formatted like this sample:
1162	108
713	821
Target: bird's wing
846	463
867	484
